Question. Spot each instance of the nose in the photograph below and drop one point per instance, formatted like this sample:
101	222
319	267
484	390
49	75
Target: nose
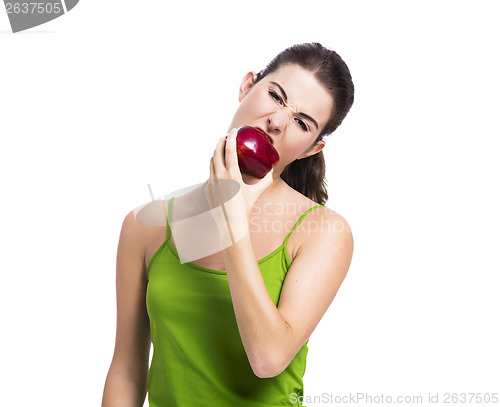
277	121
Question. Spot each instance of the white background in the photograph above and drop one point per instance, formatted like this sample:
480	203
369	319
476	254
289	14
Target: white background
116	95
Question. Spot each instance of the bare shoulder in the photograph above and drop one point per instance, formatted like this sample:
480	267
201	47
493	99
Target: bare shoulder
321	220
322	223
133	234
151	226
332	222
330	237
139	220
142	225
153	213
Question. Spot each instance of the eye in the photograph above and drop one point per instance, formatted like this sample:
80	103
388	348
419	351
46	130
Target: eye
302	124
276	97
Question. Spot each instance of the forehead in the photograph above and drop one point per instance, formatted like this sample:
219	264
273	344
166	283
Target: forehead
304	91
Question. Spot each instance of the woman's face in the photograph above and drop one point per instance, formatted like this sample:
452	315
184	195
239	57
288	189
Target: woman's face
291	106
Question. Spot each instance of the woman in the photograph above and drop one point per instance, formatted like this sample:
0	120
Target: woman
231	329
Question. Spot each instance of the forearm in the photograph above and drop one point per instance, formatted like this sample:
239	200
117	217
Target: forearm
262	328
121	391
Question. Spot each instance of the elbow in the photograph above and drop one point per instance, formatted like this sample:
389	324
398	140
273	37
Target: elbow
265	374
271	361
267	368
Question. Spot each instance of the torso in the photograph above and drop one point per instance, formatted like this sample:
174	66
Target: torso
268	230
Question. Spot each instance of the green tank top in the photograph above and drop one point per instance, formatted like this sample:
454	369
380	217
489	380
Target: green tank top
198	356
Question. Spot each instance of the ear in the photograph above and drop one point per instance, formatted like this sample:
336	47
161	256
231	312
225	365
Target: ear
246	84
313	150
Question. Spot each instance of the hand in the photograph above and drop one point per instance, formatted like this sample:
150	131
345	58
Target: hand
224	165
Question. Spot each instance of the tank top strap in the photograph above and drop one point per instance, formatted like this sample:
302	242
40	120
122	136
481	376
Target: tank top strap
300	220
168	218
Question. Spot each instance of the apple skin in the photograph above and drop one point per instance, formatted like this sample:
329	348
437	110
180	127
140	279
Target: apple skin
256	153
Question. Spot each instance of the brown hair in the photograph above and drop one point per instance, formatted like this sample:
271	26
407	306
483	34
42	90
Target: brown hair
307	175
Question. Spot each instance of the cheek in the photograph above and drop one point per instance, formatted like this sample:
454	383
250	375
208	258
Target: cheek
245	109
255	104
292	148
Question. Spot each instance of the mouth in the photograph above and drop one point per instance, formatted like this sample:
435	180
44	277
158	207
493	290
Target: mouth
267	135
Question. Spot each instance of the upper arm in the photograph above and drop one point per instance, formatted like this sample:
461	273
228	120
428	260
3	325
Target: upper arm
313	279
133	341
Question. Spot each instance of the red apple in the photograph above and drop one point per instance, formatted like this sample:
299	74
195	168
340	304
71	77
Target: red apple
256	154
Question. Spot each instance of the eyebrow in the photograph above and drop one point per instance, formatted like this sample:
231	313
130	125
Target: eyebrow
305	116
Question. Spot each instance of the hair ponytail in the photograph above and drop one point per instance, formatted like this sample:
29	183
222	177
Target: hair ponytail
307	176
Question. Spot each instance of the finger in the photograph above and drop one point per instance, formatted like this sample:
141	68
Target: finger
210	193
212	172
219	156
231	155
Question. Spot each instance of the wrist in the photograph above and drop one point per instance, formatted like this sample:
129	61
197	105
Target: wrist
232	220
